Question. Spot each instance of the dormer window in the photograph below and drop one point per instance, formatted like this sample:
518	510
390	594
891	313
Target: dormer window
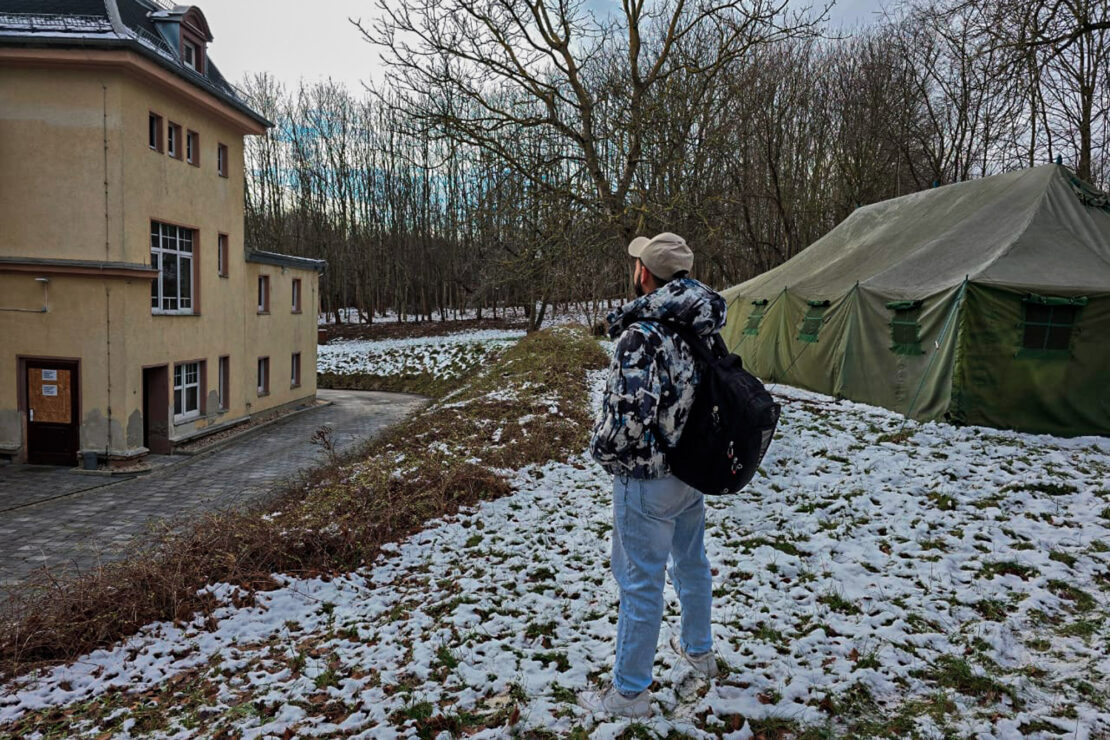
192	35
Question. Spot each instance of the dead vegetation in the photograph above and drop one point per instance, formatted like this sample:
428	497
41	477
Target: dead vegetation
336	518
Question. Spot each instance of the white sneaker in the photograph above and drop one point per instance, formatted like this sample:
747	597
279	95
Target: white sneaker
705	665
610	701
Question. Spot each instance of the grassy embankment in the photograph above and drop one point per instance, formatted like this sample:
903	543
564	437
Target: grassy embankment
337	517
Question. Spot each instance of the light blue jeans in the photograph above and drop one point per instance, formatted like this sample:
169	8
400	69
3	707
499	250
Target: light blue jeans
654	519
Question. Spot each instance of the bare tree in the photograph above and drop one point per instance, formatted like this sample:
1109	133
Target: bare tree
522	65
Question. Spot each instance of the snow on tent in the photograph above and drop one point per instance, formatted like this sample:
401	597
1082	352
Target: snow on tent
983	302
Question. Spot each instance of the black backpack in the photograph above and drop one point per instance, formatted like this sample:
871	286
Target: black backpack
730	425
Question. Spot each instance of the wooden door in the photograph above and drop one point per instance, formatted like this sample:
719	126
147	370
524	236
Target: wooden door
156	410
52	412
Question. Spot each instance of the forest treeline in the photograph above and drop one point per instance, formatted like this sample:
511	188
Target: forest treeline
514	147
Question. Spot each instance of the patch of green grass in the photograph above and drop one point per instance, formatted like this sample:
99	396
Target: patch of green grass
1062	557
838	603
868	660
1048	488
1007	567
542	574
1078	599
778	543
952	672
563	694
446	658
992	609
1039	725
767	633
894	437
1039	644
327	678
562	663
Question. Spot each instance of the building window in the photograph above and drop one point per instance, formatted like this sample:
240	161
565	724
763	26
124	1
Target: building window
905	327
263	376
171	253
758	309
190	55
221	159
263	294
814	320
1047	325
225	382
295	371
221	255
155	132
174	143
296	295
192	148
186	391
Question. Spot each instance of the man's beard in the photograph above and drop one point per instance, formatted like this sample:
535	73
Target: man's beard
638	287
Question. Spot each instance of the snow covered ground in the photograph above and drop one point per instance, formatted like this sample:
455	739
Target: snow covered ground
939	583
445	357
575	313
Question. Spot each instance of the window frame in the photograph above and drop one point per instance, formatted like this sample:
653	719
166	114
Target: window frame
180	256
154	119
296	291
263	295
263	376
189	36
223	382
186	415
221	159
174	146
221	255
295	370
192	147
186	47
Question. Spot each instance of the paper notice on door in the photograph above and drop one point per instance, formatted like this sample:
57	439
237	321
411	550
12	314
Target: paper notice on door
50	390
49	374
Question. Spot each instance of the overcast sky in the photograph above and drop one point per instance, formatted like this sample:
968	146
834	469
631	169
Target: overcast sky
293	39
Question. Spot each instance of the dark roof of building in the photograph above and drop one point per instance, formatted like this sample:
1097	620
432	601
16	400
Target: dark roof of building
285	260
129	24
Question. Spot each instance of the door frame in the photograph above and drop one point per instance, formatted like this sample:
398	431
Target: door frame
163	446
21	395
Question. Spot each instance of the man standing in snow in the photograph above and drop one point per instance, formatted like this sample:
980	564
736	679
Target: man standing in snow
655	515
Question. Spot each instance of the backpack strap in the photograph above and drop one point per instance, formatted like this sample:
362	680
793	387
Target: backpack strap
693	340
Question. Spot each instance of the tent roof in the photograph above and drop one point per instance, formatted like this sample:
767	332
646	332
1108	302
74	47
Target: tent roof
1039	229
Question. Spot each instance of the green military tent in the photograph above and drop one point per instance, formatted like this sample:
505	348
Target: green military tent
982	302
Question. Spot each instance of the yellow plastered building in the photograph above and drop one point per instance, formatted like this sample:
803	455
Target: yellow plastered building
132	318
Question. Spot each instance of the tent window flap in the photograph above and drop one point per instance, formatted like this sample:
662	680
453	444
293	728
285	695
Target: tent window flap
1047	325
758	309
811	324
905	327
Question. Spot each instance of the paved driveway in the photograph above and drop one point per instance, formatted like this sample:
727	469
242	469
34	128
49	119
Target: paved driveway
67	521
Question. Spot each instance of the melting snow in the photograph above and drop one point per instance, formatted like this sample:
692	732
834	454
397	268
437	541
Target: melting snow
862	559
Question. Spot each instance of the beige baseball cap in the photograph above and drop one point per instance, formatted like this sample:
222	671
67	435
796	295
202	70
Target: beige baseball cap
664	254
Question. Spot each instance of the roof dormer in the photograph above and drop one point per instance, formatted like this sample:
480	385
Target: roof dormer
186	29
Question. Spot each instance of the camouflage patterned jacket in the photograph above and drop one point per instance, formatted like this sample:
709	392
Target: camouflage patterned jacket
652	377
